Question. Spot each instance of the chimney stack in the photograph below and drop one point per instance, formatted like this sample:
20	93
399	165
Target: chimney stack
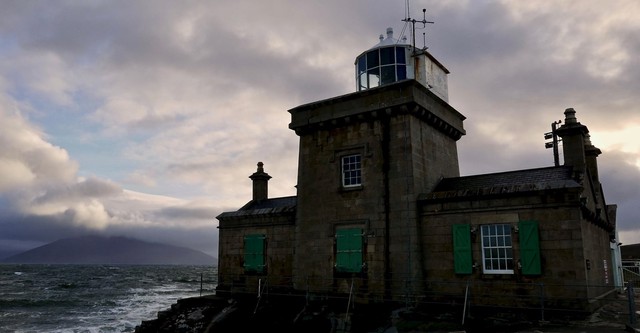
260	183
574	136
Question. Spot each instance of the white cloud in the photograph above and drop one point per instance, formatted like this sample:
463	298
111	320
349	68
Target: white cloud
17	174
28	159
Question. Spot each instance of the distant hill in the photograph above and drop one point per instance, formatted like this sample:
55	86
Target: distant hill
111	250
631	251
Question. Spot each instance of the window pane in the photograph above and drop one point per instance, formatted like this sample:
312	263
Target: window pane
374	77
402	72
400	55
351	170
388	74
372	59
496	249
386	56
362	81
362	64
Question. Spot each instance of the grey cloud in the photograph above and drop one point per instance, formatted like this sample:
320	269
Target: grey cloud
89	188
203	238
27	231
620	177
187	212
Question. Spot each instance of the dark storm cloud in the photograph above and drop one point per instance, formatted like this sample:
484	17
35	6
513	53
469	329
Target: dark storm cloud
38	228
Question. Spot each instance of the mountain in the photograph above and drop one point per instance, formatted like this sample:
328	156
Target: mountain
111	250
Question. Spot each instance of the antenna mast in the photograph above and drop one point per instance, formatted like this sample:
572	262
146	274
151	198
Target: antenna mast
413	27
553	144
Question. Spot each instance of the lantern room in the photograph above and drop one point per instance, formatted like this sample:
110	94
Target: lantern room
393	60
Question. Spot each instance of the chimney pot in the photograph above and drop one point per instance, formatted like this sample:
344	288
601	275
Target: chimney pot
260	183
570	116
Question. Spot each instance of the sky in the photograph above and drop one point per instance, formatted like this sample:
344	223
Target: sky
145	118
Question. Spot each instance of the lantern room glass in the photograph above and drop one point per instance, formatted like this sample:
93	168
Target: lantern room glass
381	66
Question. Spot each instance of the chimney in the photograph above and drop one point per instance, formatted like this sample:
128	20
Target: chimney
574	136
260	183
591	156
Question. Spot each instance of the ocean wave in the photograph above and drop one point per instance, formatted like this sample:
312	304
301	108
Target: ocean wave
92	298
34	303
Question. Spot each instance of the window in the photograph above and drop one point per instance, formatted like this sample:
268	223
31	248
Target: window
497	252
351	170
349	243
496	248
254	253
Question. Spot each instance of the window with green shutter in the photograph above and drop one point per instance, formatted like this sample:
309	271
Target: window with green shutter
254	253
529	248
349	243
462	249
497	249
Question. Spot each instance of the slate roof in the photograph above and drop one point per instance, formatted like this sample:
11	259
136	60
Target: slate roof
504	182
264	207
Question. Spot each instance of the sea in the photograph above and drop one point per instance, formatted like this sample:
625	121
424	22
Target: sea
94	298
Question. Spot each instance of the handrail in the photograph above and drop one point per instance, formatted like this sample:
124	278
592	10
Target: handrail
632	275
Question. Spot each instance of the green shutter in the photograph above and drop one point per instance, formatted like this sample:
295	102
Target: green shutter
349	250
254	250
462	249
529	248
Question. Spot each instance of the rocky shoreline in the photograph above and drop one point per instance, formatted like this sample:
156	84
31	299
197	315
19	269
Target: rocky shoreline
209	314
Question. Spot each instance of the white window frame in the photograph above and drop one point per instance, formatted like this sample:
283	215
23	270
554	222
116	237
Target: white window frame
497	248
351	170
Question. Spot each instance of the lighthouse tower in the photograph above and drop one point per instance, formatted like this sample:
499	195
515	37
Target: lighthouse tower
364	159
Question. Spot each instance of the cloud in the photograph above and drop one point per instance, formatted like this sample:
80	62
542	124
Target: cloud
44	198
148	117
40	177
26	157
